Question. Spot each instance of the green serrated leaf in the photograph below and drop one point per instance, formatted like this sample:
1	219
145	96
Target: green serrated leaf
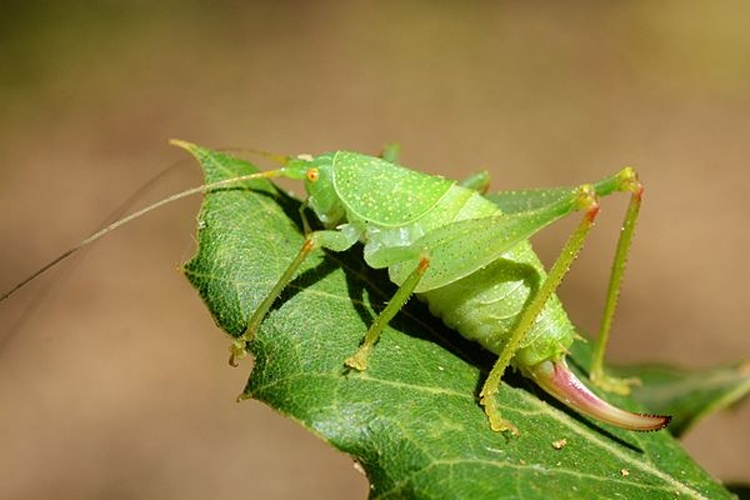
412	419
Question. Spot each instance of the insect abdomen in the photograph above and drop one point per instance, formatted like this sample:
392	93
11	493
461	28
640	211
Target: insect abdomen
485	306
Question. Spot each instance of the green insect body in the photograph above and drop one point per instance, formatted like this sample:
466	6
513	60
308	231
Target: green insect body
471	262
479	296
466	255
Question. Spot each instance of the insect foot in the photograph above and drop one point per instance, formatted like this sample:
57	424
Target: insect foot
238	352
497	423
557	380
358	361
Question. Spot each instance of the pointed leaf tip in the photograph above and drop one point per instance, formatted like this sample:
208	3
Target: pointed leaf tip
182	144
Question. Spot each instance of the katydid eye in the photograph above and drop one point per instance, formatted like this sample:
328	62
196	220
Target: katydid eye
312	174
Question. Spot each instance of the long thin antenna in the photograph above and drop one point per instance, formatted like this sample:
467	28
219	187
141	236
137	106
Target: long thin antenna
135	215
116	214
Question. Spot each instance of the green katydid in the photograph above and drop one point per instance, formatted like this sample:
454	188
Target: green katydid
466	255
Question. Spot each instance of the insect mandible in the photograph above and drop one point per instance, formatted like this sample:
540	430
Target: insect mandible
493	290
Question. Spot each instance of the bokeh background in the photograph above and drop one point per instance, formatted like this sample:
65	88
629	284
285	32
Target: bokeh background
114	383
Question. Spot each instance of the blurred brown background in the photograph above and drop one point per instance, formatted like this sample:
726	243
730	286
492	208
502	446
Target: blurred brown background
116	385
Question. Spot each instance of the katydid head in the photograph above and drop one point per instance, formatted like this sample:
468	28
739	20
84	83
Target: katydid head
321	193
316	174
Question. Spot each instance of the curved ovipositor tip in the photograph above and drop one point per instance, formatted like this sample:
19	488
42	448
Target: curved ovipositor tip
556	379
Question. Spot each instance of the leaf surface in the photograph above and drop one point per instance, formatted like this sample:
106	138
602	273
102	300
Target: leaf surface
689	395
412	419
